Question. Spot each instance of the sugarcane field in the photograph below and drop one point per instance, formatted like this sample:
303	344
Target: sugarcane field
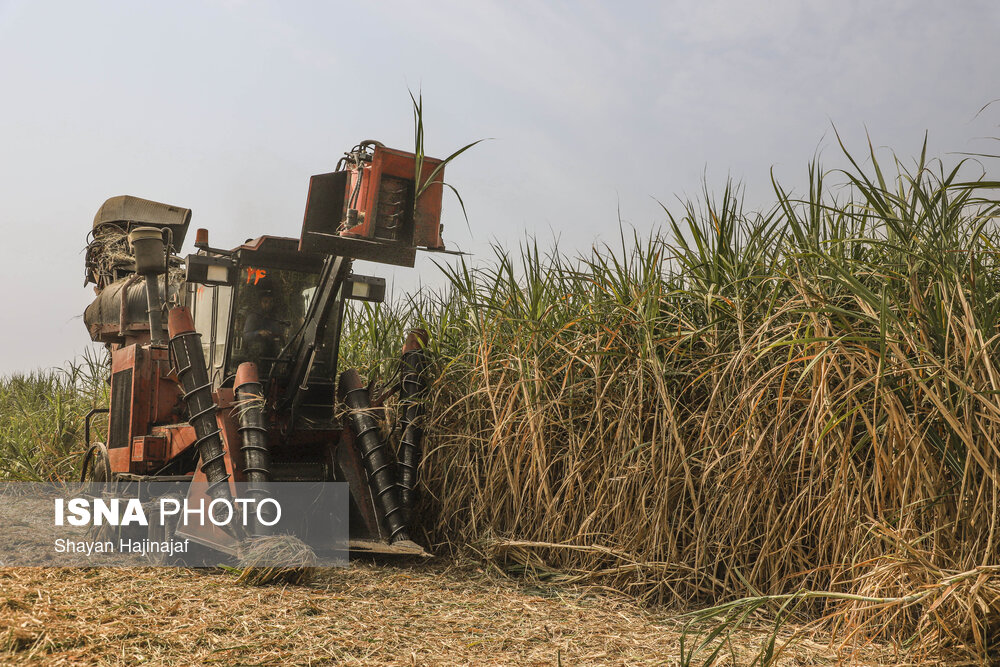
500	334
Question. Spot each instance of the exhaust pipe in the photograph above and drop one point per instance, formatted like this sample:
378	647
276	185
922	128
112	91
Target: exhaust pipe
375	455
411	410
253	436
150	262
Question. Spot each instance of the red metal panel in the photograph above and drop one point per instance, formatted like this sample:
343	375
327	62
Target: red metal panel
120	459
166	400
149	452
138	449
177	437
389	162
427	216
139	418
156	449
153	396
122	358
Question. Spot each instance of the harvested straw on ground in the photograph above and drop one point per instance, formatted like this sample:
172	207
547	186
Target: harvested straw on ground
276	559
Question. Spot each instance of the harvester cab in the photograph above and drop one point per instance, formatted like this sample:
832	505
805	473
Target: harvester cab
224	364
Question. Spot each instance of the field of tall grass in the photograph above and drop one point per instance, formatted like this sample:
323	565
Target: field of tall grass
793	412
42	419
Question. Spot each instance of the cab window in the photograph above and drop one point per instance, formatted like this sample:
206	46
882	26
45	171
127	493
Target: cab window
269	308
204	312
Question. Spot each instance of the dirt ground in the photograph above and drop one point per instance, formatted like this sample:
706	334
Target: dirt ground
403	614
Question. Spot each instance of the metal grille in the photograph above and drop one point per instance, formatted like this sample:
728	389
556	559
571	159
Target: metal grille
121	408
395	200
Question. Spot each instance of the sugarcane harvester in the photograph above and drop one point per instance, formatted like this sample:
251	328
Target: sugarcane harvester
224	364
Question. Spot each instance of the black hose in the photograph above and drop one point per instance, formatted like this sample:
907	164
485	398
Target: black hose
411	411
185	346
375	455
253	438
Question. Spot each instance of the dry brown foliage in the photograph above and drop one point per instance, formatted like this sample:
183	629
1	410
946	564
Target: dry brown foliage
799	405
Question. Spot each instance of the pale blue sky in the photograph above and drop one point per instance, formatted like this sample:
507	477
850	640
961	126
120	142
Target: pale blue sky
228	107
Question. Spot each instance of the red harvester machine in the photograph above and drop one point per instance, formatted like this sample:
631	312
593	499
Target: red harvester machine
224	363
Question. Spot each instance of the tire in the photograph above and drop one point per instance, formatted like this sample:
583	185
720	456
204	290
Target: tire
96	464
96	469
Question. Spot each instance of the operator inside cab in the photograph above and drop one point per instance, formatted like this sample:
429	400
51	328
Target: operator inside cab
264	330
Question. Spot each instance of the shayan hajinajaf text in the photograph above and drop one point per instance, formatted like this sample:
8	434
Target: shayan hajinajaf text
124	546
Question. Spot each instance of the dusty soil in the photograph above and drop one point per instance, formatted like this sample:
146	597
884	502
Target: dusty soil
404	614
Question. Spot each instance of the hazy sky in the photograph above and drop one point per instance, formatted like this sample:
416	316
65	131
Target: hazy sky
228	107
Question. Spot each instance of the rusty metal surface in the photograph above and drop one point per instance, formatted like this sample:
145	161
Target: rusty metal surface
351	470
405	548
401	166
179	438
126	209
368	211
325	205
148	434
112	319
358	248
